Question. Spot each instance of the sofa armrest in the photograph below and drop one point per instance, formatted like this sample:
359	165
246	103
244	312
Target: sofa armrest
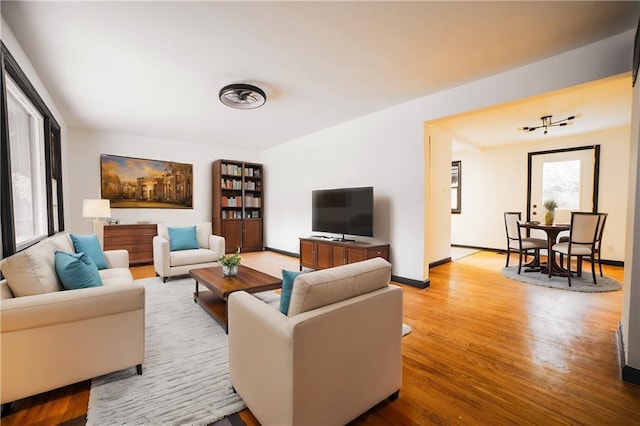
216	244
117	258
66	306
161	258
260	351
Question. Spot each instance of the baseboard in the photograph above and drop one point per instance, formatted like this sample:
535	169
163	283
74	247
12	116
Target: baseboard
286	253
410	282
502	251
439	262
627	373
479	248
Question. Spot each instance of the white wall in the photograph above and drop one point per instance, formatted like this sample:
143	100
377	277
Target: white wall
631	288
386	150
495	181
363	152
438	198
83	179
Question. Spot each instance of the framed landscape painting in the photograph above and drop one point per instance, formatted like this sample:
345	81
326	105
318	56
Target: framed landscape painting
140	183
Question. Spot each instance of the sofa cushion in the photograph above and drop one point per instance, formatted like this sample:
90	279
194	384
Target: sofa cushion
191	257
288	278
116	276
77	270
182	238
32	271
320	288
91	245
203	231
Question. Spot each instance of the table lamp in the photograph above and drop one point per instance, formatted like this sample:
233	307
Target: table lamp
97	209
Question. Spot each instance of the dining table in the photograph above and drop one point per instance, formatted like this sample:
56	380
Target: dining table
552	232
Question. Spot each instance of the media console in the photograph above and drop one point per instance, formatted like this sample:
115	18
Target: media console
322	253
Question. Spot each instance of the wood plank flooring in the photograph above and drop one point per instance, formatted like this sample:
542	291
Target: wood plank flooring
484	350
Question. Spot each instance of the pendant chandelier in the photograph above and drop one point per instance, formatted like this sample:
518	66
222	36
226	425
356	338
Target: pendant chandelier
548	122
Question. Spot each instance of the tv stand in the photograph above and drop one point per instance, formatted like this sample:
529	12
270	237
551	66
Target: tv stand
342	240
319	253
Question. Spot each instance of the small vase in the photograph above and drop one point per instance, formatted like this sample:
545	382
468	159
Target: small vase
230	271
549	216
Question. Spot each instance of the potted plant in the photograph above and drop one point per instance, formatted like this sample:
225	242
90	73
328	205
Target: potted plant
550	205
230	263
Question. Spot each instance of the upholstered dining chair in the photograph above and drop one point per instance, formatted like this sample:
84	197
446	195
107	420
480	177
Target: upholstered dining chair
582	242
515	242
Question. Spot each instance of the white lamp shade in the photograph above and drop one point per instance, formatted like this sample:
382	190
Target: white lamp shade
96	208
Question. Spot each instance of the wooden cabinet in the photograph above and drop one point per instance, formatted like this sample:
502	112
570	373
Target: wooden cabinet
318	253
237	205
137	239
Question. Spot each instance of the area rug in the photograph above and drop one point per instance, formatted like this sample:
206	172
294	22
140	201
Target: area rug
185	376
583	284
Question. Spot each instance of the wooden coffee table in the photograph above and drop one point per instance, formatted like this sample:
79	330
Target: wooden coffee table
215	300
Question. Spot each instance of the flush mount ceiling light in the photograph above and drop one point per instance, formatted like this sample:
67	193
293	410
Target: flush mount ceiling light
546	123
242	96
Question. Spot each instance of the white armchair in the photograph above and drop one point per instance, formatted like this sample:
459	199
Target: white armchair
335	355
169	263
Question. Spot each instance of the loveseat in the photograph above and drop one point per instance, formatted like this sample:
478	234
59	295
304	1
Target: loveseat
51	337
336	354
204	252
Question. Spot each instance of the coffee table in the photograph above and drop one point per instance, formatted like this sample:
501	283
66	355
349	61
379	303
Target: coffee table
214	301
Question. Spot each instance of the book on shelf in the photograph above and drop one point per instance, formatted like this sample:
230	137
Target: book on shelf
231	201
231	184
231	169
252	172
251	201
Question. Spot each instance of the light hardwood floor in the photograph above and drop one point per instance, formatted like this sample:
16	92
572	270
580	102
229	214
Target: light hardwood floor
484	350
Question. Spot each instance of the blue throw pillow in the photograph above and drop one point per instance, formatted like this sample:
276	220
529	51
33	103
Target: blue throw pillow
288	277
77	270
89	244
182	238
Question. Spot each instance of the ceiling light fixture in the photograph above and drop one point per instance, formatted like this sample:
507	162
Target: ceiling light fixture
546	123
242	96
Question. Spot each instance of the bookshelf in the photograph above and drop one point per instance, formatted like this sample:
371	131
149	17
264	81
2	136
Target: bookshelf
238	202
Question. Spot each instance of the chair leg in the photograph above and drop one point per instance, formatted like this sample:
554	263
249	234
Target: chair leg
508	255
593	270
519	262
600	264
580	266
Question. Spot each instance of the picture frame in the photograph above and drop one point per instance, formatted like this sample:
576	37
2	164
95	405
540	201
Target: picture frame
130	182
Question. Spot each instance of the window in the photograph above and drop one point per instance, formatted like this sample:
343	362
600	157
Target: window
456	187
30	152
26	149
561	182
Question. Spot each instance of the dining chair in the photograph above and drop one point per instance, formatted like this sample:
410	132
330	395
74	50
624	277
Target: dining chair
515	242
582	241
603	220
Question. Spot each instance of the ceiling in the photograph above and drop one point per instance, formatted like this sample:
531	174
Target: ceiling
154	69
598	105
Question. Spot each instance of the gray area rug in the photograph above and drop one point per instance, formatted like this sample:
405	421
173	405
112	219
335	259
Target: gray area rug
185	376
583	284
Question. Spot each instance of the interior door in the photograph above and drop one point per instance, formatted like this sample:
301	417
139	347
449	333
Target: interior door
567	176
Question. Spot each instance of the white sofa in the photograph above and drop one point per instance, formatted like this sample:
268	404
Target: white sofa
169	263
337	353
52	337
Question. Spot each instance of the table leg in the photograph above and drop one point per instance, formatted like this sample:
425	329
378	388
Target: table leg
195	295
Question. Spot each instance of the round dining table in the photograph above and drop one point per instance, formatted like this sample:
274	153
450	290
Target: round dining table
552	232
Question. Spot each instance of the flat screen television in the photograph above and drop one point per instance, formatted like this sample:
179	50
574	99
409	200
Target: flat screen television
346	211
